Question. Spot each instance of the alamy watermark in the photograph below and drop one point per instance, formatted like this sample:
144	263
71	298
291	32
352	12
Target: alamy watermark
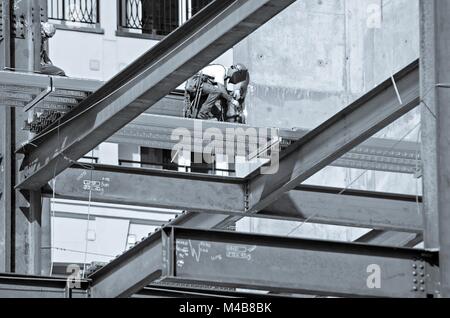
374	279
74	278
243	142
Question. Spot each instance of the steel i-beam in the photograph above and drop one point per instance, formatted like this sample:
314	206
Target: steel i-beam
268	263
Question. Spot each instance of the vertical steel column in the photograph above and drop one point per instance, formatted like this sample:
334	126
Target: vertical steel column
46	239
5	145
5	189
5	34
25	46
435	83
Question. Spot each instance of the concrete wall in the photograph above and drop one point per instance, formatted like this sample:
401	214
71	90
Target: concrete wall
317	56
313	60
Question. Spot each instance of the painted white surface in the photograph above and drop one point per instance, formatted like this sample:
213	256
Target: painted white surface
107	233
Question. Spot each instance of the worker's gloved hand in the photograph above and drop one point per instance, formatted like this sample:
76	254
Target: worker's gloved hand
235	103
237	94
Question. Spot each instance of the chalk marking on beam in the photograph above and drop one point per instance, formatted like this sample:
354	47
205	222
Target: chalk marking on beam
396	90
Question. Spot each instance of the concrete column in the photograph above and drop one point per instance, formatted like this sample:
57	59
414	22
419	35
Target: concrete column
435	82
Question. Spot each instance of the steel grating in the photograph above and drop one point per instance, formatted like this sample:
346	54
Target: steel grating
155	128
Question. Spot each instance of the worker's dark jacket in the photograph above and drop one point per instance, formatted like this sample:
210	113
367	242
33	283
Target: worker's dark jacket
212	97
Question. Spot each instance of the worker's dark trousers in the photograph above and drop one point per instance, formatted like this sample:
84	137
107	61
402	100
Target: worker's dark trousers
211	108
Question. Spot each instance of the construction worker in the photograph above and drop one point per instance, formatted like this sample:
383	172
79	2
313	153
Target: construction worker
206	99
209	100
48	30
238	80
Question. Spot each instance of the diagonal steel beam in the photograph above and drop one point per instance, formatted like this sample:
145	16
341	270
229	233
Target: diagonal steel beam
206	36
130	272
352	126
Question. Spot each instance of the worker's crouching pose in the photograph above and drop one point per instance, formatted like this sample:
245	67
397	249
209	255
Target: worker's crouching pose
208	100
48	30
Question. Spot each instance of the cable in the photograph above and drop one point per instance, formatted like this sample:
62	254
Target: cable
88	220
419	211
76	251
355	180
53	199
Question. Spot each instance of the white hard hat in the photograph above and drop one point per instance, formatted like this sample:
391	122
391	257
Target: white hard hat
48	29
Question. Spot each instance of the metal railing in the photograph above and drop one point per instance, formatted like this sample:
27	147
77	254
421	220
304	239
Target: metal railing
156	17
78	11
199	168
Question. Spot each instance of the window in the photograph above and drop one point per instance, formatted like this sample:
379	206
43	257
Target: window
77	12
156	18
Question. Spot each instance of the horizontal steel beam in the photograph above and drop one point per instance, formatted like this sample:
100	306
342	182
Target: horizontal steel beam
226	196
214	30
42	91
21	286
267	263
153	188
337	136
155	131
358	209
